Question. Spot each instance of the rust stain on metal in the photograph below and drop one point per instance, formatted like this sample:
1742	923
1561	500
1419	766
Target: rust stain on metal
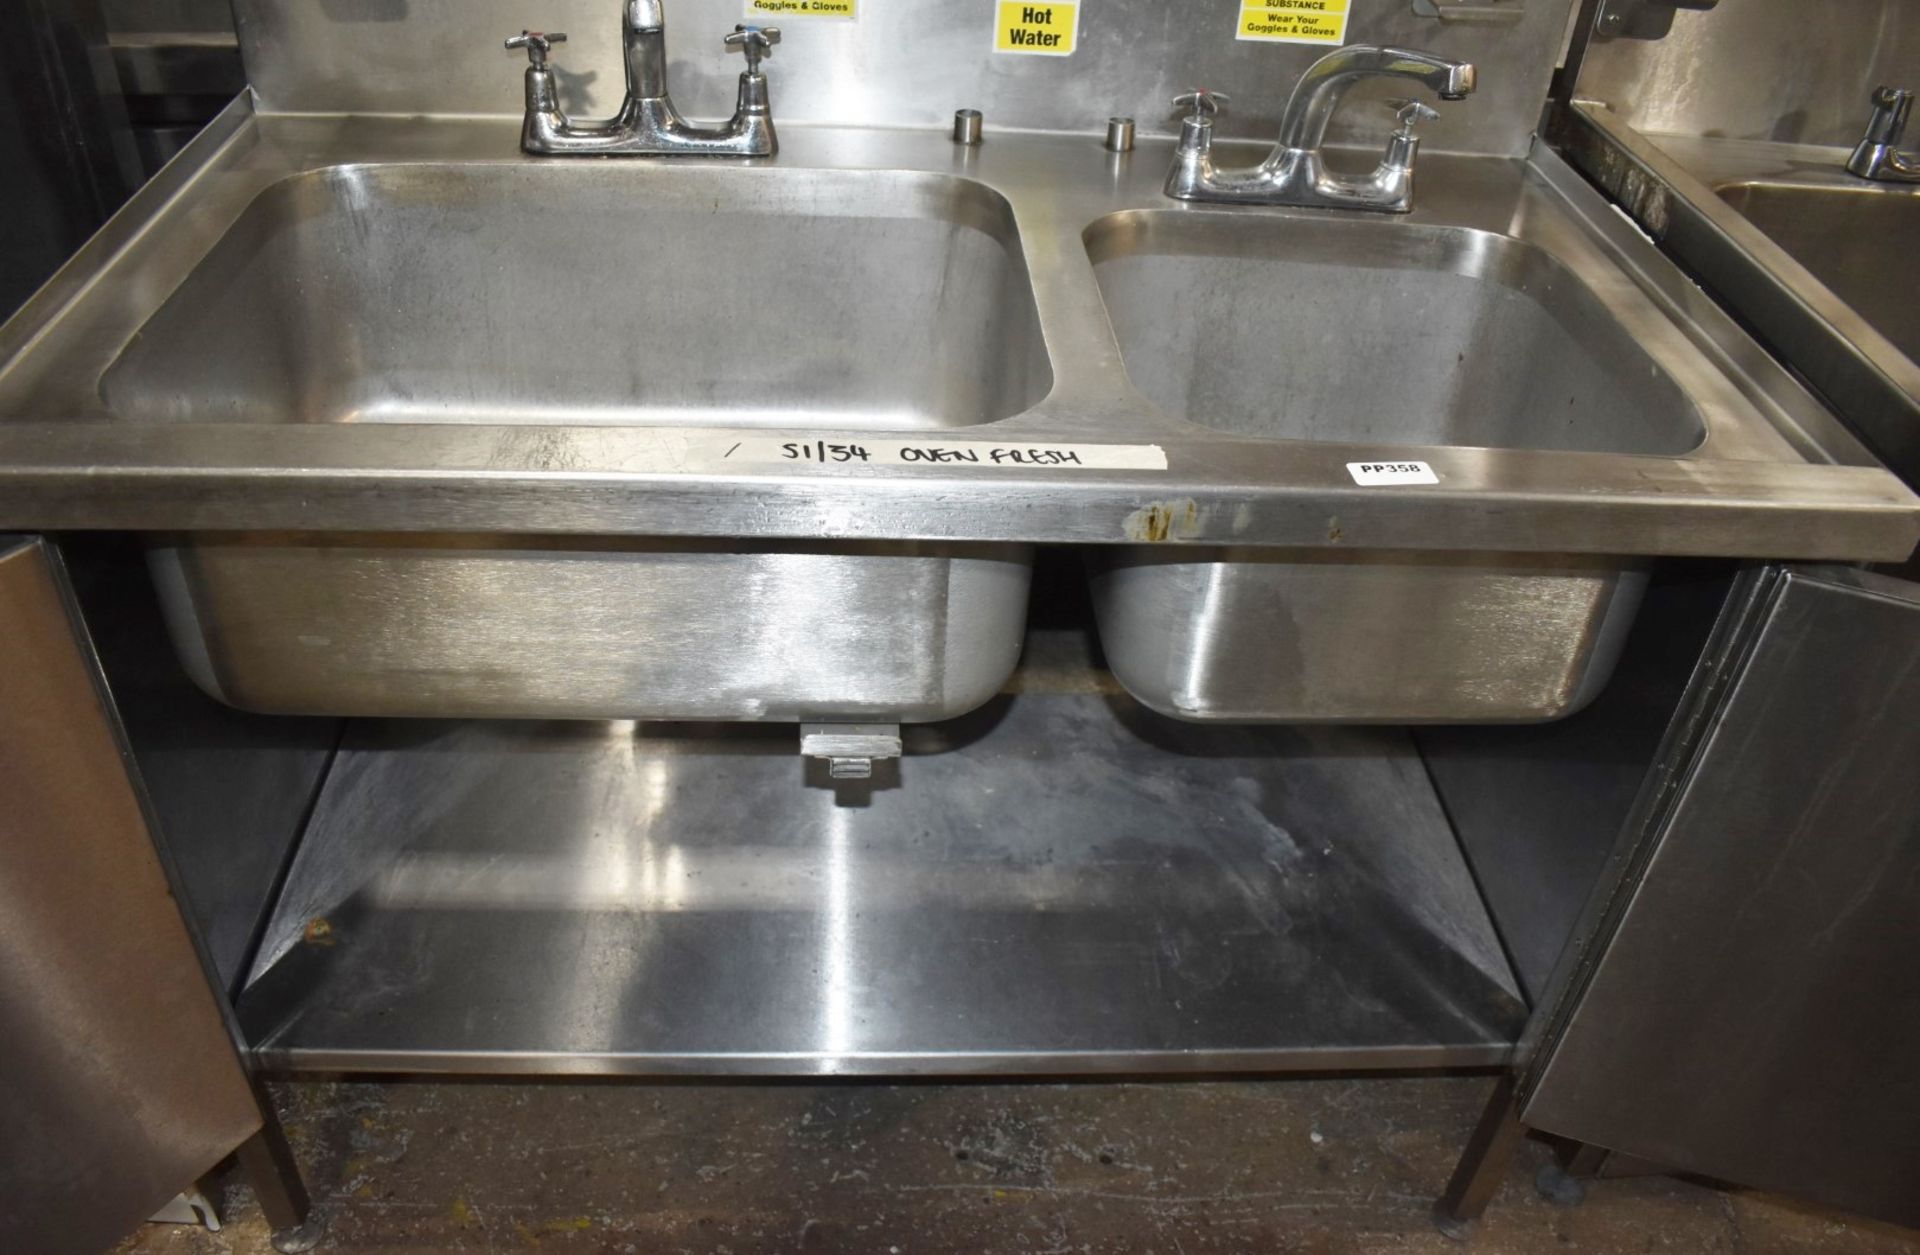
1163	520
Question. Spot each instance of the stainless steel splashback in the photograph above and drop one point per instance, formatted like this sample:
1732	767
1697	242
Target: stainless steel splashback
1779	70
901	63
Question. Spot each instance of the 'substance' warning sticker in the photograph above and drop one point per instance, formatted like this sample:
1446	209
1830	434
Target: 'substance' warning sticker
1294	21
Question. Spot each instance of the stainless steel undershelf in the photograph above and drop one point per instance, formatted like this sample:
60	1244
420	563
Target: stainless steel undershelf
1063	882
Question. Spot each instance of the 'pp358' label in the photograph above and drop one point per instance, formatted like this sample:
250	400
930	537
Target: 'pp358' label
1374	474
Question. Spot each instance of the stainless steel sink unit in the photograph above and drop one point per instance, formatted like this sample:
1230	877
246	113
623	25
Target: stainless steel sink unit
420	424
411	294
1401	336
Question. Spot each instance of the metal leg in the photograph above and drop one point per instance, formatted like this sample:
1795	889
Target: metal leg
1583	1159
267	1163
1484	1163
1598	1163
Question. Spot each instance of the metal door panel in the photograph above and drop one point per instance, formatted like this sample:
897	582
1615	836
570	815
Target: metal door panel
1755	1013
123	1081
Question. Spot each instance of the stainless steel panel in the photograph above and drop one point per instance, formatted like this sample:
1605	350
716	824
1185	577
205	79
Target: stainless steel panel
1059	882
206	16
599	293
178	63
1853	238
1314	637
123	1082
903	63
1759	70
1751	1011
593	627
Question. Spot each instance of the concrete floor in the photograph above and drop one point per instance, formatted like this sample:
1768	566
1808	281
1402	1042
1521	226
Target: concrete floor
1182	1168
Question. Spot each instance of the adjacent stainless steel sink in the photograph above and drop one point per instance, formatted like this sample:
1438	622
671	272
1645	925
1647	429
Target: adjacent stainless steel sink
1324	329
1859	241
554	295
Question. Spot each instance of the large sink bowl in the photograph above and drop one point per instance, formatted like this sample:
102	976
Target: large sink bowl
1856	240
612	293
605	292
1386	334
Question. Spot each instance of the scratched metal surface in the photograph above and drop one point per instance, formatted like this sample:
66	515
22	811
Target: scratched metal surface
1062	881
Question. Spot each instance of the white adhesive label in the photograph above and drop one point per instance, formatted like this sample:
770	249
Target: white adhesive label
1375	474
956	453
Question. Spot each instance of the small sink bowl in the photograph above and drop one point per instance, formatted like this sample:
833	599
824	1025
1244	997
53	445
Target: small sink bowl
596	293
599	292
1856	240
1381	332
1392	334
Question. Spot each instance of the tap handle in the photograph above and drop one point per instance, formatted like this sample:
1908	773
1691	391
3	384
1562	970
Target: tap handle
1891	105
755	41
1200	104
537	43
1411	113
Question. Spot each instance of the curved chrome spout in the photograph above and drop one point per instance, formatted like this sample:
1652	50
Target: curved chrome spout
1318	93
643	41
1293	174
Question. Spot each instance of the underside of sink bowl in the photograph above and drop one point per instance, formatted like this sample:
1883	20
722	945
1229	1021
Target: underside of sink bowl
593	628
1857	241
1368	332
1276	636
599	293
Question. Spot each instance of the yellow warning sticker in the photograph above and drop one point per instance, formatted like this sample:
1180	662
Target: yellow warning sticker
1041	28
844	10
1294	21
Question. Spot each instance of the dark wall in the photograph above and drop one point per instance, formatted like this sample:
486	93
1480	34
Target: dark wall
63	140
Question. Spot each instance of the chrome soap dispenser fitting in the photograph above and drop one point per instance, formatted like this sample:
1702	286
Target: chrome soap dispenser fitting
647	125
1294	174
